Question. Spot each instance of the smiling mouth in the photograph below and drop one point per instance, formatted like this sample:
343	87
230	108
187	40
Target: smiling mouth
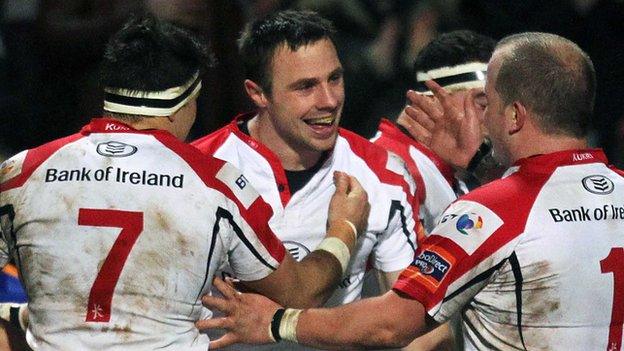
323	121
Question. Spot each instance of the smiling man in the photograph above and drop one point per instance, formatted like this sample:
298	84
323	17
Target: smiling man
291	146
525	272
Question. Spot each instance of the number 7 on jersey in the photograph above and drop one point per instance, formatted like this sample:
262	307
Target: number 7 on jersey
131	224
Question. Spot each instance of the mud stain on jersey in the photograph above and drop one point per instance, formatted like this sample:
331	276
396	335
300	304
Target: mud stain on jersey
123	333
163	221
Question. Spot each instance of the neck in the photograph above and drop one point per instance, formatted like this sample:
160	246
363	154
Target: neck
141	123
293	157
548	144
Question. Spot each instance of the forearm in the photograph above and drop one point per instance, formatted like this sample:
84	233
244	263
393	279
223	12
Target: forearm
439	339
317	277
385	321
320	272
310	282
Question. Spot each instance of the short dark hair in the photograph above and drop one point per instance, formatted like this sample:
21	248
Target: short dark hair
553	77
151	55
260	39
454	48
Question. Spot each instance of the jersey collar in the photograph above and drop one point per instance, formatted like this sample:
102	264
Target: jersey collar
109	125
395	133
546	163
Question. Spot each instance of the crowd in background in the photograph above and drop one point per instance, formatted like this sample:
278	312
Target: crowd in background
50	52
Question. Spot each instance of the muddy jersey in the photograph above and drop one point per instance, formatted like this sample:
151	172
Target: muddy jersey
534	260
300	219
117	234
435	181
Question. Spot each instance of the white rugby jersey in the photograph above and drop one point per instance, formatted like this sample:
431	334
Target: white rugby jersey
300	219
435	181
534	261
118	232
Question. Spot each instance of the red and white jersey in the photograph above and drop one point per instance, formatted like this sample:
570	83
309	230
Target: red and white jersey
435	181
300	218
118	232
534	260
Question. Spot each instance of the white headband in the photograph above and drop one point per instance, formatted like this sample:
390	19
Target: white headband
151	103
464	76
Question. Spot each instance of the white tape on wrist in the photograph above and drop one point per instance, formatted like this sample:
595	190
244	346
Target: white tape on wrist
288	326
355	232
338	248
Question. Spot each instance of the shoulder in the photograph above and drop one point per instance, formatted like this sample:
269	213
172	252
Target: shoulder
504	203
387	166
15	171
374	157
213	141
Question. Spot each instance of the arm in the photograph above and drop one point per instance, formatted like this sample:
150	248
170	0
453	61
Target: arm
311	281
398	320
438	339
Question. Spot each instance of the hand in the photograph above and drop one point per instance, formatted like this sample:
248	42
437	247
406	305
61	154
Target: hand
453	133
349	202
246	317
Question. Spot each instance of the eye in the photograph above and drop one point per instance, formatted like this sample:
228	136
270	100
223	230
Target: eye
305	86
335	77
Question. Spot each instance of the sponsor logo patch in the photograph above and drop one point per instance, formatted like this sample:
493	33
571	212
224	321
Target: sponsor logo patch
468	221
468	224
432	264
598	184
430	267
234	179
116	149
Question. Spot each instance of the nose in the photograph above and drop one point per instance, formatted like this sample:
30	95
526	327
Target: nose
328	97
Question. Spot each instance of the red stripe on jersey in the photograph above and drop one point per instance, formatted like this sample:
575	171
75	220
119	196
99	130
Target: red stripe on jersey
212	142
392	139
376	159
395	133
511	199
259	212
34	158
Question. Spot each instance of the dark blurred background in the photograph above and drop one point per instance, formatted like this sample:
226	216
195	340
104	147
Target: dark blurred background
50	51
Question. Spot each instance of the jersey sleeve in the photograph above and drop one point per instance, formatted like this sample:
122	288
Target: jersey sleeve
397	243
253	249
9	170
456	261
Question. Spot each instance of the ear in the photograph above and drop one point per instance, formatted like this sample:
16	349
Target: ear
518	117
256	93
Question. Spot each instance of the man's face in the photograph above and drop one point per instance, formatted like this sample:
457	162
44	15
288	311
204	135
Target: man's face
307	95
458	96
494	114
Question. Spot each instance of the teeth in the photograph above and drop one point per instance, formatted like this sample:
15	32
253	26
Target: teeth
322	120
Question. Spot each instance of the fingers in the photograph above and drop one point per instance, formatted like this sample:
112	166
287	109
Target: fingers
415	129
426	104
437	90
341	181
224	288
356	189
216	303
213	323
444	97
419	116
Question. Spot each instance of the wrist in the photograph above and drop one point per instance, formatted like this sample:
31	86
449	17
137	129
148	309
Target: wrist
344	230
284	325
